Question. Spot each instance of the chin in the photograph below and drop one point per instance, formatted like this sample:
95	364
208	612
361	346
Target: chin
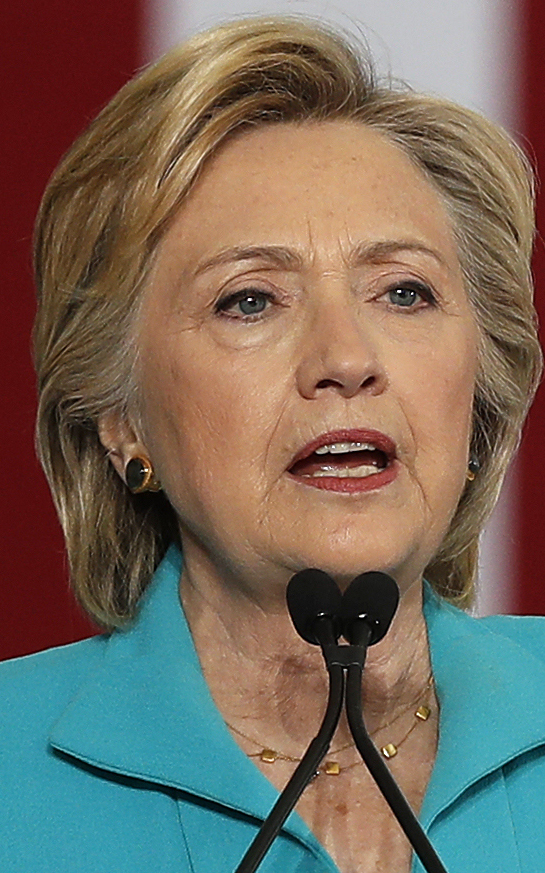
345	564
345	559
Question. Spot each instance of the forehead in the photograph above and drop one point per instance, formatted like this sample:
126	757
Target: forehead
290	184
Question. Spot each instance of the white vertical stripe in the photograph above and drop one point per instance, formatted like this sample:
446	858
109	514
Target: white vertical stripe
497	558
467	51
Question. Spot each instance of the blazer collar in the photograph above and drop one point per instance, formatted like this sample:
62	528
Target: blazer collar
146	712
491	695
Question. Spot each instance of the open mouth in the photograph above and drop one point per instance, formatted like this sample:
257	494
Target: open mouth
346	456
345	460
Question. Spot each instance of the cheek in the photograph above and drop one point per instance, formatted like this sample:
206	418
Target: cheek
215	414
442	405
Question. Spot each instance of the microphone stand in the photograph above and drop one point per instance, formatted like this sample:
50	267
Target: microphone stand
371	756
309	763
345	668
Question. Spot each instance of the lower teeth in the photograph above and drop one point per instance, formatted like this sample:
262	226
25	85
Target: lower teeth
344	473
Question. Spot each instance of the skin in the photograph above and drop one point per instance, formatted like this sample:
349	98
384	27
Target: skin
361	321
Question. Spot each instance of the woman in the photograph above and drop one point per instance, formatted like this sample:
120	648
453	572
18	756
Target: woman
285	321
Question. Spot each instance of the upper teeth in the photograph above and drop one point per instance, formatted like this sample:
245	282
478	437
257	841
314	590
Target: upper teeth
340	448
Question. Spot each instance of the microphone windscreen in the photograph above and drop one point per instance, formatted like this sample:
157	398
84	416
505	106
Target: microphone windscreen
372	597
310	594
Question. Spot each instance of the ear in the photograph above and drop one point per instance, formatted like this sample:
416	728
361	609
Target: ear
118	436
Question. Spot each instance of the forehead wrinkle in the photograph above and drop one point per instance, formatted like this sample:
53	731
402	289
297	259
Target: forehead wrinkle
336	251
311	246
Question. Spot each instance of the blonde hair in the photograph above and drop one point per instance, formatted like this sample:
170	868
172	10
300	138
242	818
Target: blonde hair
114	195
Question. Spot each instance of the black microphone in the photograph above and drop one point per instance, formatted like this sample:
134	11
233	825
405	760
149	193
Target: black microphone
371	599
314	603
314	600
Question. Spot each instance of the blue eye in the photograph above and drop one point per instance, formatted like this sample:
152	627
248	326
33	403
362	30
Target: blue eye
244	304
408	295
252	304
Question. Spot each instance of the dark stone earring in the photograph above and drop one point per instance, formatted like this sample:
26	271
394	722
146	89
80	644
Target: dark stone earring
473	468
140	476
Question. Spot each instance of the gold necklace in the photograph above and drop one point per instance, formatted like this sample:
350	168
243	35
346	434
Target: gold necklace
270	756
332	768
390	750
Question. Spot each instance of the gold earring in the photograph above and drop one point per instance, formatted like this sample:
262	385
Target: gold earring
140	476
473	468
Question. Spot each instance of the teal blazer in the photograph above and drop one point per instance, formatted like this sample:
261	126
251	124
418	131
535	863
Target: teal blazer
113	756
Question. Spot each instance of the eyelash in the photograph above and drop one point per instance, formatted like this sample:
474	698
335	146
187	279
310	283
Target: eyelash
223	306
424	292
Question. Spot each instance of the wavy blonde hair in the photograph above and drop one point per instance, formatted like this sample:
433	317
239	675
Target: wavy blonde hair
115	194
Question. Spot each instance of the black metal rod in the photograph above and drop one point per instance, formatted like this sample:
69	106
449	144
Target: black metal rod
306	769
383	778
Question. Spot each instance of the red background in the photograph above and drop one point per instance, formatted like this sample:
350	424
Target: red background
531	535
64	60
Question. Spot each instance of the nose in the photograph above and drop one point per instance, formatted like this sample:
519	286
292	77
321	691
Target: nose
341	354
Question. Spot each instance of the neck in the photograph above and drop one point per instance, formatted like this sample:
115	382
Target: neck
270	683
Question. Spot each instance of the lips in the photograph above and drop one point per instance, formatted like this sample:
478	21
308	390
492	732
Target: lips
346	460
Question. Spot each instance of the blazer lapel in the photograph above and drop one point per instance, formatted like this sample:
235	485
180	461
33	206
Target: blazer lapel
490	691
147	713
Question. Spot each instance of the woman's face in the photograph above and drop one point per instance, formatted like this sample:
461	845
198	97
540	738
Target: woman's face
307	360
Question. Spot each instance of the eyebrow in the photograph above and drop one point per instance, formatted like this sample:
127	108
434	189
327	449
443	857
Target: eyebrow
287	259
377	252
277	256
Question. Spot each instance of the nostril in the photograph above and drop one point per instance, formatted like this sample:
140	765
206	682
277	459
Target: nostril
338	383
329	383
